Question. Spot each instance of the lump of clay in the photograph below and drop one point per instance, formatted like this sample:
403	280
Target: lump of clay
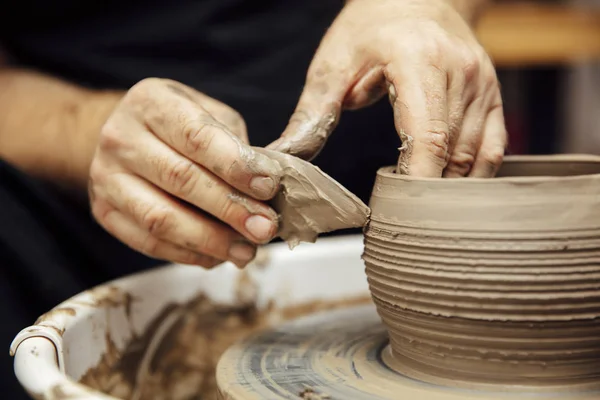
310	202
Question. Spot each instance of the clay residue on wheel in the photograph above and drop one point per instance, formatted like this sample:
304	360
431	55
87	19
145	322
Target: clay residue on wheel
310	394
310	202
175	358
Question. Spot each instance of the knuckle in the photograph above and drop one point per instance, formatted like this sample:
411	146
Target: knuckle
198	137
97	178
489	77
156	220
210	244
438	139
461	162
310	131
493	156
96	175
235	118
319	71
434	52
490	82
99	210
150	245
471	66
235	122
146	84
182	176
436	44
227	210
111	138
141	91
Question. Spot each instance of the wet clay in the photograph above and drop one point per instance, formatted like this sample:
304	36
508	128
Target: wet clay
491	283
310	202
175	358
334	355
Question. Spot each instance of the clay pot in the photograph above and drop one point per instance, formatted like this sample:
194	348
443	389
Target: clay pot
487	282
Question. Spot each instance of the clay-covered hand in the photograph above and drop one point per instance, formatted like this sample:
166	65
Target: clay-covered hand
174	178
441	83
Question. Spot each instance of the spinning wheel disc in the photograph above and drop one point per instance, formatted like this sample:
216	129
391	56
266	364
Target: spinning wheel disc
334	355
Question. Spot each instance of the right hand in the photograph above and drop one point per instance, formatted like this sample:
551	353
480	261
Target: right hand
174	178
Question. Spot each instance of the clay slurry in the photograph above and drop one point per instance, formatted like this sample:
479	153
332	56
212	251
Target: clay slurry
491	283
310	202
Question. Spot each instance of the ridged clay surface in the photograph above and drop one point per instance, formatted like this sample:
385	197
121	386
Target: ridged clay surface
487	283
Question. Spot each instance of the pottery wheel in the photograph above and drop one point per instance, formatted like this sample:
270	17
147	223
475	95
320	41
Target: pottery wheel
334	355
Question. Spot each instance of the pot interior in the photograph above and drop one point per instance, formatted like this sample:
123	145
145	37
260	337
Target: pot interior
563	165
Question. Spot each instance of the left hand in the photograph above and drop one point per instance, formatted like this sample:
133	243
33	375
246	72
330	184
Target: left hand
441	83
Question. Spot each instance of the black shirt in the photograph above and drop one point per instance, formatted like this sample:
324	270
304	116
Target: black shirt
250	54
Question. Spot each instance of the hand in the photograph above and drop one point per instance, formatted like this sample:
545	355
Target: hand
173	178
441	83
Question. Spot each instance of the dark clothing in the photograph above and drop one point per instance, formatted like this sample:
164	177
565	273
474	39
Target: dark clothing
250	54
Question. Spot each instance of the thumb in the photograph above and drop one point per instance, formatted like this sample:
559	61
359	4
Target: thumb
317	113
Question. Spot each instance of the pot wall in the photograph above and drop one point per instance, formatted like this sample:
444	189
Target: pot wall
491	282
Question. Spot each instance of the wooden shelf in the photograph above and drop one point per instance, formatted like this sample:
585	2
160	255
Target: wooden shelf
533	34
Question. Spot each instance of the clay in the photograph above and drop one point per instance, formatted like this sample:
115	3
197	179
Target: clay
310	394
405	152
336	354
176	356
491	283
310	202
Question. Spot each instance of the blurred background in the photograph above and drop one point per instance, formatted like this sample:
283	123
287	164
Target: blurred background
548	57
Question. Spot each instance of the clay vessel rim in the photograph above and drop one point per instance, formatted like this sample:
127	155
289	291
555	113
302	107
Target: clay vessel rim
388	171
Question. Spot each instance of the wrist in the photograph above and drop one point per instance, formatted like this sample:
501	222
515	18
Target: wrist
85	130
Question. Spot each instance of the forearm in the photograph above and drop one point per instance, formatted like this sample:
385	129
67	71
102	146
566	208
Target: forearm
48	127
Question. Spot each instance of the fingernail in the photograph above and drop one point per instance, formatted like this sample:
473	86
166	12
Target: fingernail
263	185
260	227
241	251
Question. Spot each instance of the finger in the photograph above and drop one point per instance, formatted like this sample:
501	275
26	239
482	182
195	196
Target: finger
469	139
128	232
419	98
460	94
495	139
219	111
480	86
317	113
192	132
368	90
227	116
184	179
166	219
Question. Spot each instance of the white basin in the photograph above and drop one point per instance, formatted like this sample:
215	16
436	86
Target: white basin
91	330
